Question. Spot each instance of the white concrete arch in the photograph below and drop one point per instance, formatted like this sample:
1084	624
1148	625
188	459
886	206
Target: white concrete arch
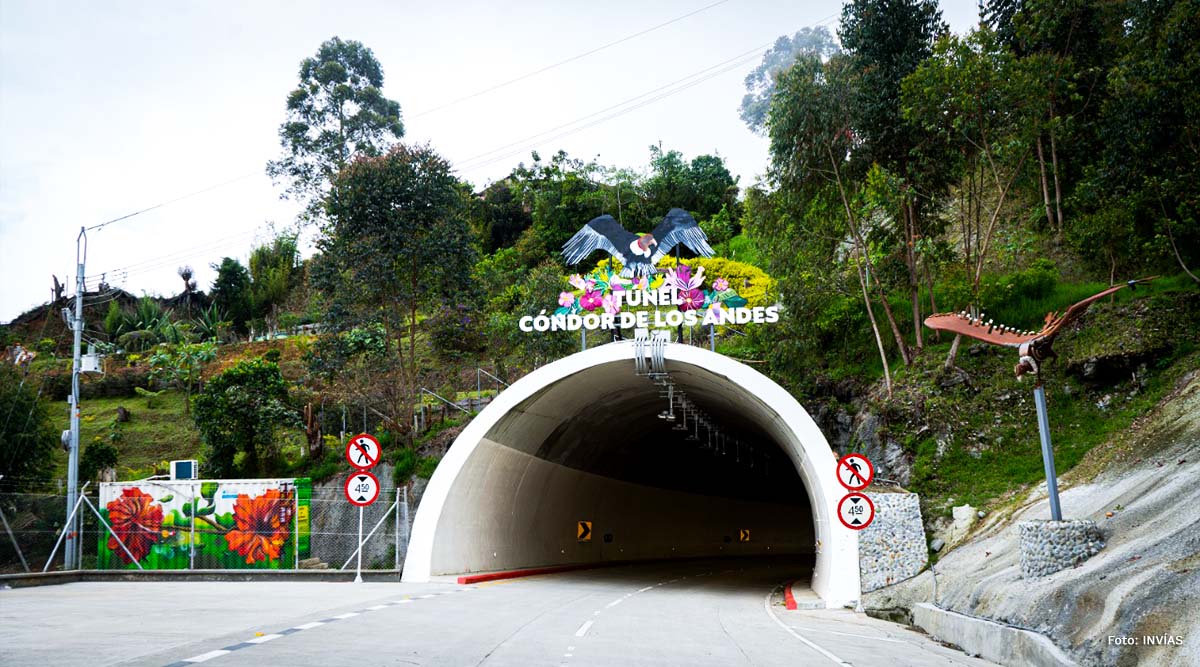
474	497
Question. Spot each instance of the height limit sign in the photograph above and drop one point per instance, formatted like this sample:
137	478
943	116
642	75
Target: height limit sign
362	488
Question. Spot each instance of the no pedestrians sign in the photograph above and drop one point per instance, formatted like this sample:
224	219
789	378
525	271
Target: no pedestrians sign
855	472
363	451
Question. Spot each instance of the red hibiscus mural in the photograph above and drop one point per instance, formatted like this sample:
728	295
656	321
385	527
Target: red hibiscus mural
261	525
137	521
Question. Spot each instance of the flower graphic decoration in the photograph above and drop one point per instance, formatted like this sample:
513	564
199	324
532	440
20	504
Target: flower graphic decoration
591	300
261	525
137	521
597	291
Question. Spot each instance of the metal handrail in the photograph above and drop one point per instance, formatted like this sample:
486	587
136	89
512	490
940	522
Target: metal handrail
446	400
480	370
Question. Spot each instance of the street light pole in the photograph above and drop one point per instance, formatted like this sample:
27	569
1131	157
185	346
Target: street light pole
70	551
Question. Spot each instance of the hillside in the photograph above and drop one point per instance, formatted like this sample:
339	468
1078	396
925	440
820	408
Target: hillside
1139	487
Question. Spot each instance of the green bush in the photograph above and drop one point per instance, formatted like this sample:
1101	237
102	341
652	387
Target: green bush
426	466
97	456
405	462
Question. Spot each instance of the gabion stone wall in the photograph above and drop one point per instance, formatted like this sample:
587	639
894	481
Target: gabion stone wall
892	548
1050	546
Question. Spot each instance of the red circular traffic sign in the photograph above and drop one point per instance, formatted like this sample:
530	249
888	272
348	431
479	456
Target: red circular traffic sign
850	472
363	451
856	511
362	488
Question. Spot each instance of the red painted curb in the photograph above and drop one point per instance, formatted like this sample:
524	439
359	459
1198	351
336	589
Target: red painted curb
789	600
513	574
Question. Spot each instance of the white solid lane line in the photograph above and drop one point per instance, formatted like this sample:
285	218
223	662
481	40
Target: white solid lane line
771	613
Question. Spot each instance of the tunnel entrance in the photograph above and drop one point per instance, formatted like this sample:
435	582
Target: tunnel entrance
585	439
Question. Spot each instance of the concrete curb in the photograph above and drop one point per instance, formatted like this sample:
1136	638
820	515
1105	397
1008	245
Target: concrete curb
989	640
55	578
531	572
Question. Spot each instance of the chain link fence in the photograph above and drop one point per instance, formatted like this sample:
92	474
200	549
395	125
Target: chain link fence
31	531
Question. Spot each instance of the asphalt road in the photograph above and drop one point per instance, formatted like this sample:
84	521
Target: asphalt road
718	612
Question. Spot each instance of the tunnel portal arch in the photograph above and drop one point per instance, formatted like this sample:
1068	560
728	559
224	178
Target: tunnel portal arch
481	490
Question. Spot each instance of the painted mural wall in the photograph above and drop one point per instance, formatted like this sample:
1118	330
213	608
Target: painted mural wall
205	524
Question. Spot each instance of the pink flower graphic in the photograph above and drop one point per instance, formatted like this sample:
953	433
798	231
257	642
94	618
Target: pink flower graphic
693	299
720	284
590	300
682	279
576	281
610	305
566	299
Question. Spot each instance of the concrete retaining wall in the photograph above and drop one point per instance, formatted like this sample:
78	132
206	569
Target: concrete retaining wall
892	548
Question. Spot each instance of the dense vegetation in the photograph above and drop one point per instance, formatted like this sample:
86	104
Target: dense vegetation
1044	155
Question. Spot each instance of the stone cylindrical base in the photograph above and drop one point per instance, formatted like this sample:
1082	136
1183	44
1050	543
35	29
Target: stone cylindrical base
1050	546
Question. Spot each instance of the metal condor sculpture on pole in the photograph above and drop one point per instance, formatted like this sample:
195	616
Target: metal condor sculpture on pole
1033	348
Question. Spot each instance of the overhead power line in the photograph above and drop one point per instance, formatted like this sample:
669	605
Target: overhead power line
501	153
608	113
172	201
568	60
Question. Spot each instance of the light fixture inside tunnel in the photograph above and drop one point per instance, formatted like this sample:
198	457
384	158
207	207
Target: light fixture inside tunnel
692	418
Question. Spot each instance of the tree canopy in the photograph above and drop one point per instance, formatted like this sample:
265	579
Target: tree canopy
336	112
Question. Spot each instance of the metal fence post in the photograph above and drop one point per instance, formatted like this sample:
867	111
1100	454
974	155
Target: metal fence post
296	529
195	486
396	534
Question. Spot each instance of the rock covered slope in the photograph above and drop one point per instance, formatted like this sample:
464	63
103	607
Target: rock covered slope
1144	584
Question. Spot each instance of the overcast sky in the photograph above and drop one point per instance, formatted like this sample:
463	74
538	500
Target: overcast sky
107	108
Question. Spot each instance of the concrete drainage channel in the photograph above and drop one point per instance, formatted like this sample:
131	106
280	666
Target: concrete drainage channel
978	637
988	640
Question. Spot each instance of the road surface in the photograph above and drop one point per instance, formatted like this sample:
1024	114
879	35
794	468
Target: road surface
717	612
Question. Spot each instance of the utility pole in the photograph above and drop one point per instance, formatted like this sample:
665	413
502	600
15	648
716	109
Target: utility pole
69	554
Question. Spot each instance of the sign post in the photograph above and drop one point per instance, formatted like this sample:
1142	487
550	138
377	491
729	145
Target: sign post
362	488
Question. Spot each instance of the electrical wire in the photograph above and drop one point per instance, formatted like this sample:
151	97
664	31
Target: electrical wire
499	154
172	201
566	61
633	103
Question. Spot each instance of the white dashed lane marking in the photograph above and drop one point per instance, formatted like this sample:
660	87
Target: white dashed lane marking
205	657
